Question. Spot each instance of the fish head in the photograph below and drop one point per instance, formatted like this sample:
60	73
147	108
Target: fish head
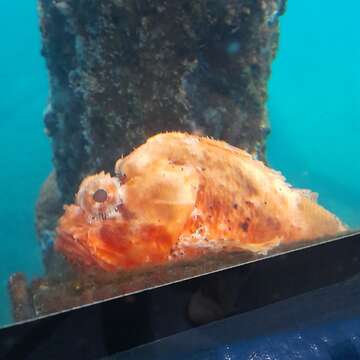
100	231
120	223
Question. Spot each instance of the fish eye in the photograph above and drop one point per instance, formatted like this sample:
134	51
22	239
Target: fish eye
100	195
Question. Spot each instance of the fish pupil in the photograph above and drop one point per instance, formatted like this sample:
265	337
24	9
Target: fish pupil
100	195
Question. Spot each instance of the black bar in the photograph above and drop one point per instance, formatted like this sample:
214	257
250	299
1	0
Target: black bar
112	326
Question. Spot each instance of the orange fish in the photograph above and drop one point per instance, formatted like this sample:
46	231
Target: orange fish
180	195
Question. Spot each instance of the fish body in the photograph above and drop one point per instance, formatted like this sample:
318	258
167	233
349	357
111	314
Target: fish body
180	195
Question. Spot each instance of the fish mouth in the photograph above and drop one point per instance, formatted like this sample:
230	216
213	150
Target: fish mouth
92	245
72	237
74	249
113	244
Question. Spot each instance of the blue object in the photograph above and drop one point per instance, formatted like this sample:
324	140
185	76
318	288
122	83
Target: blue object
335	341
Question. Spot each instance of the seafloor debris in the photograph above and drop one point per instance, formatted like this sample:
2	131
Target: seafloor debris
178	196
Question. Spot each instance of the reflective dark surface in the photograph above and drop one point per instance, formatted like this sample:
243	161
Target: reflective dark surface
301	288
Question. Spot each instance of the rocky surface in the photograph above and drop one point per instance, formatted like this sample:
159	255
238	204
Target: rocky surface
49	208
21	297
122	70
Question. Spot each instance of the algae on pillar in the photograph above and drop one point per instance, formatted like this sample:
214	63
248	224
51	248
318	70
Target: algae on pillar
122	70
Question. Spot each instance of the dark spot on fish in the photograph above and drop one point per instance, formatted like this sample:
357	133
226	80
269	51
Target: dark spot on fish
122	177
245	226
100	195
235	206
176	162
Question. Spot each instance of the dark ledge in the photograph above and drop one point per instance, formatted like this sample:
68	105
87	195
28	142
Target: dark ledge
315	284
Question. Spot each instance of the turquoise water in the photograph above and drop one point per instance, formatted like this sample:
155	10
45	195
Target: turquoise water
314	108
314	103
25	151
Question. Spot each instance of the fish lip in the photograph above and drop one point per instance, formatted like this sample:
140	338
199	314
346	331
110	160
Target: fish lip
73	249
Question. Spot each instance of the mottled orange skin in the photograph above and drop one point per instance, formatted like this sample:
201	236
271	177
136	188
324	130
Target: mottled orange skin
180	195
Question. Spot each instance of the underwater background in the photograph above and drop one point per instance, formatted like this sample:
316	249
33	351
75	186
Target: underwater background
314	112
